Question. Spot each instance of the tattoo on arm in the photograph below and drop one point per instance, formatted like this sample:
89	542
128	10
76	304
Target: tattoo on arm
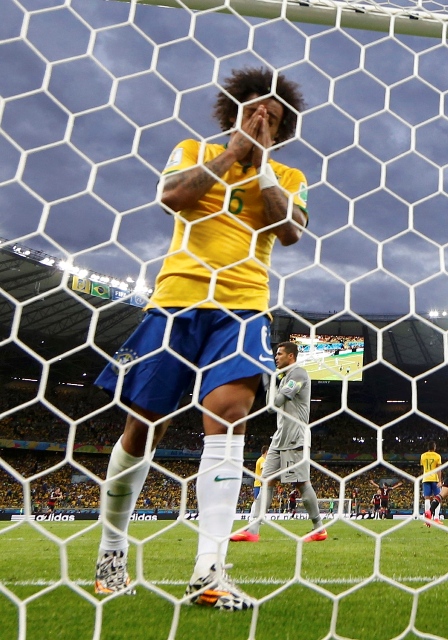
198	180
276	208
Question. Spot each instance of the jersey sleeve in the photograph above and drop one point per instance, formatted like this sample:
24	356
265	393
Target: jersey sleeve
184	155
295	182
297	378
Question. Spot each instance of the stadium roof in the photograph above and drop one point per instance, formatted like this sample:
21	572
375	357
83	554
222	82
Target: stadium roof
54	321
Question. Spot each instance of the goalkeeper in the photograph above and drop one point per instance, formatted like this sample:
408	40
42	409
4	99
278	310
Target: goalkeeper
286	453
230	202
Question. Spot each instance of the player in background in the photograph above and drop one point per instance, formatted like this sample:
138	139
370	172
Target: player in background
230	202
376	503
292	502
385	494
436	502
292	401
430	460
54	496
257	482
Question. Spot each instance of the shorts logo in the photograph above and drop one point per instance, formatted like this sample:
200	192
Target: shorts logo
124	356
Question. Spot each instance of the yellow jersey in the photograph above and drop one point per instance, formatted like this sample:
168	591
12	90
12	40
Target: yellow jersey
259	469
430	460
213	261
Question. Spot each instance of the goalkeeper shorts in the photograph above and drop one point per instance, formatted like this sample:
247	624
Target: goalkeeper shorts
176	352
291	462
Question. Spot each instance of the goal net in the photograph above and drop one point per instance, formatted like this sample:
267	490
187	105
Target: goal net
335	508
94	96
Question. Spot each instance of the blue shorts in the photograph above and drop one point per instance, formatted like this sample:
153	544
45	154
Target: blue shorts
256	492
188	347
430	489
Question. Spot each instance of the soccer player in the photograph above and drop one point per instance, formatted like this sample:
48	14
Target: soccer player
54	496
230	202
257	482
437	500
430	460
385	493
292	502
292	400
376	502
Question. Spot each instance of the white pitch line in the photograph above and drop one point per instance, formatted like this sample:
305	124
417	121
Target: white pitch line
262	581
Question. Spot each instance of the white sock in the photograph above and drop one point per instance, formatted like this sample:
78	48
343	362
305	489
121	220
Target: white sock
252	509
437	513
269	491
217	499
310	503
119	497
427	504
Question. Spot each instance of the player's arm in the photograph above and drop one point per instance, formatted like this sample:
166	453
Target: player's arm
397	485
374	484
183	189
289	390
277	205
277	208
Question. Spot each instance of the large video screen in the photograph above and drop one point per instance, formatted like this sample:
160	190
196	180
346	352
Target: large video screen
328	357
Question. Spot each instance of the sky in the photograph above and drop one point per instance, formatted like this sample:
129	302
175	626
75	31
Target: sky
92	102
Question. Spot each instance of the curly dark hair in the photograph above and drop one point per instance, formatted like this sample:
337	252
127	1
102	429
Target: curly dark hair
248	81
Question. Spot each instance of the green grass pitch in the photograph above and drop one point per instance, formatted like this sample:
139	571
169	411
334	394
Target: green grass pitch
334	594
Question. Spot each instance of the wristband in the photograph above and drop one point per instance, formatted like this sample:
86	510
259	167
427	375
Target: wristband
267	179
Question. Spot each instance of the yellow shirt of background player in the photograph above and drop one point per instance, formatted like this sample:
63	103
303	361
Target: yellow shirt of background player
430	460
221	242
259	470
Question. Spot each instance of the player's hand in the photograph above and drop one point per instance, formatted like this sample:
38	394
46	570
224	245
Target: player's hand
263	138
256	128
241	145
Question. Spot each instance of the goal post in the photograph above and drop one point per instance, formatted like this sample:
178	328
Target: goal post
372	16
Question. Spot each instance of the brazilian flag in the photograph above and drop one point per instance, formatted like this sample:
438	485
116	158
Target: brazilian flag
100	290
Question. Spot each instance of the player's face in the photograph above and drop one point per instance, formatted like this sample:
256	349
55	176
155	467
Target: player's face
282	358
274	112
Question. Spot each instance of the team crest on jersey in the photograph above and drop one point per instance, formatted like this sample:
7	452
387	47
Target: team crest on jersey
124	357
175	158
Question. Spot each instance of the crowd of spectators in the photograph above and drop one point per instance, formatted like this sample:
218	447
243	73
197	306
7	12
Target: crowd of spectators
31	419
162	490
27	418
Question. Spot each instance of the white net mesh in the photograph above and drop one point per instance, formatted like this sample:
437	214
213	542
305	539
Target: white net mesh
94	96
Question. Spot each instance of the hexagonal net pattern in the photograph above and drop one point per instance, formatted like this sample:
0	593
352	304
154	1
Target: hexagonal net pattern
94	97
